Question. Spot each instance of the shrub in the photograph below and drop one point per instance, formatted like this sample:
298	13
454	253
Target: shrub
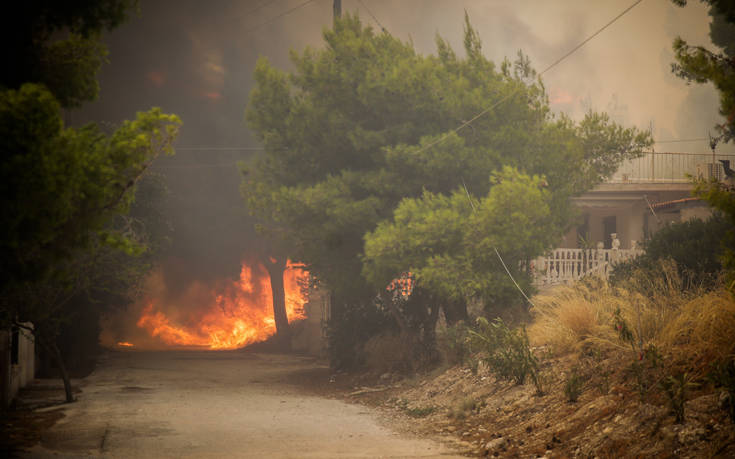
676	388
573	385
506	351
453	343
695	246
420	411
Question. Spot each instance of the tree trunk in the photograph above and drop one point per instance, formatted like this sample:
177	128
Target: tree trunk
455	311
275	268
64	374
55	353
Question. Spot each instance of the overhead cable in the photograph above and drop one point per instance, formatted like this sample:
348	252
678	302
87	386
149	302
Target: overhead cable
551	66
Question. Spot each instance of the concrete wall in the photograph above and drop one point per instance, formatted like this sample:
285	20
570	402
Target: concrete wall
20	374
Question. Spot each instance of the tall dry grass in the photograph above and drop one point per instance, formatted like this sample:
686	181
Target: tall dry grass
688	324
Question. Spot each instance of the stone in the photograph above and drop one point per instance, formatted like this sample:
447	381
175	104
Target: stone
495	445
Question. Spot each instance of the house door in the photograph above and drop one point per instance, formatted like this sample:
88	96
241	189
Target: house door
608	226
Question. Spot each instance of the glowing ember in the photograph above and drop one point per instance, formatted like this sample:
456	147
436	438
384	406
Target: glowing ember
240	312
125	344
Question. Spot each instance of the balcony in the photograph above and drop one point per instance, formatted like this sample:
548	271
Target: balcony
665	167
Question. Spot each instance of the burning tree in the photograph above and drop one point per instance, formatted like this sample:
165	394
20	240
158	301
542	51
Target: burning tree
364	131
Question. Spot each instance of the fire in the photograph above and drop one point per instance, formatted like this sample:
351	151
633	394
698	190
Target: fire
239	312
125	344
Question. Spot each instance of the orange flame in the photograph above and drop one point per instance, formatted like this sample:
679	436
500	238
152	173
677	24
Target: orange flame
240	312
125	344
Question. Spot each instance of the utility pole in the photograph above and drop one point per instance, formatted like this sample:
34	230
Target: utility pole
337	9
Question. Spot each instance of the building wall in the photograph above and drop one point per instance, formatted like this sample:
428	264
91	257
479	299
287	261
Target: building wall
17	371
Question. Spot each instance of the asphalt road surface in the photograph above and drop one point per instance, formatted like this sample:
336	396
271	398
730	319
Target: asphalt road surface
217	404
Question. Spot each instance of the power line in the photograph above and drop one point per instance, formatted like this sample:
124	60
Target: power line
214	148
681	140
513	93
372	15
193	165
259	7
252	29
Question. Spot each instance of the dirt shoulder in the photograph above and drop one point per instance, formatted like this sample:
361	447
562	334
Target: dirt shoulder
483	416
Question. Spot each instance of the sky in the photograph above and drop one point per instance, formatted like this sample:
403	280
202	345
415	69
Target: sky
196	59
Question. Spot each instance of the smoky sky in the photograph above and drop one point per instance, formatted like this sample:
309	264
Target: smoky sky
196	58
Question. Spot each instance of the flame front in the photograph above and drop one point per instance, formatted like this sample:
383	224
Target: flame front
240	312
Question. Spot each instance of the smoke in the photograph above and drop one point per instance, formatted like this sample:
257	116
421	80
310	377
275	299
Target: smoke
196	59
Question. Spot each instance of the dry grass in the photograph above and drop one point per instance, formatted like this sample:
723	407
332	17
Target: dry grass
687	323
703	331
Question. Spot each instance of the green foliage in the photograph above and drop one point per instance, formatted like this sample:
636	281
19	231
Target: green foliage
60	186
451	249
364	173
695	245
700	65
57	44
645	370
573	385
420	411
624	332
68	68
722	198
506	351
454	343
676	389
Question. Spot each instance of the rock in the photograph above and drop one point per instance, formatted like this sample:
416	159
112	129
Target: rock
495	445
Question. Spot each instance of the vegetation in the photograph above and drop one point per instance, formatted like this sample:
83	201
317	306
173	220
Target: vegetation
700	65
385	184
696	247
506	351
573	385
67	192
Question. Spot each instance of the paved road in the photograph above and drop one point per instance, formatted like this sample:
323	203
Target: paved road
216	404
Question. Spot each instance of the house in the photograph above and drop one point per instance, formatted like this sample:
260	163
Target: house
644	195
17	362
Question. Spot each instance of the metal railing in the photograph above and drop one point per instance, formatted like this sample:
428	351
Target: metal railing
671	168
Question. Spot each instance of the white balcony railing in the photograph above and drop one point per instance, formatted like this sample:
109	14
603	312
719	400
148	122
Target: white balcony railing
568	265
671	168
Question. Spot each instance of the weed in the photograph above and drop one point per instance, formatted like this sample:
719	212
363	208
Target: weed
573	385
676	388
420	411
603	385
474	365
507	351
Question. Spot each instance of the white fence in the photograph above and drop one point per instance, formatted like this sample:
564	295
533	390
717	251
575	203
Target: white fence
568	265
